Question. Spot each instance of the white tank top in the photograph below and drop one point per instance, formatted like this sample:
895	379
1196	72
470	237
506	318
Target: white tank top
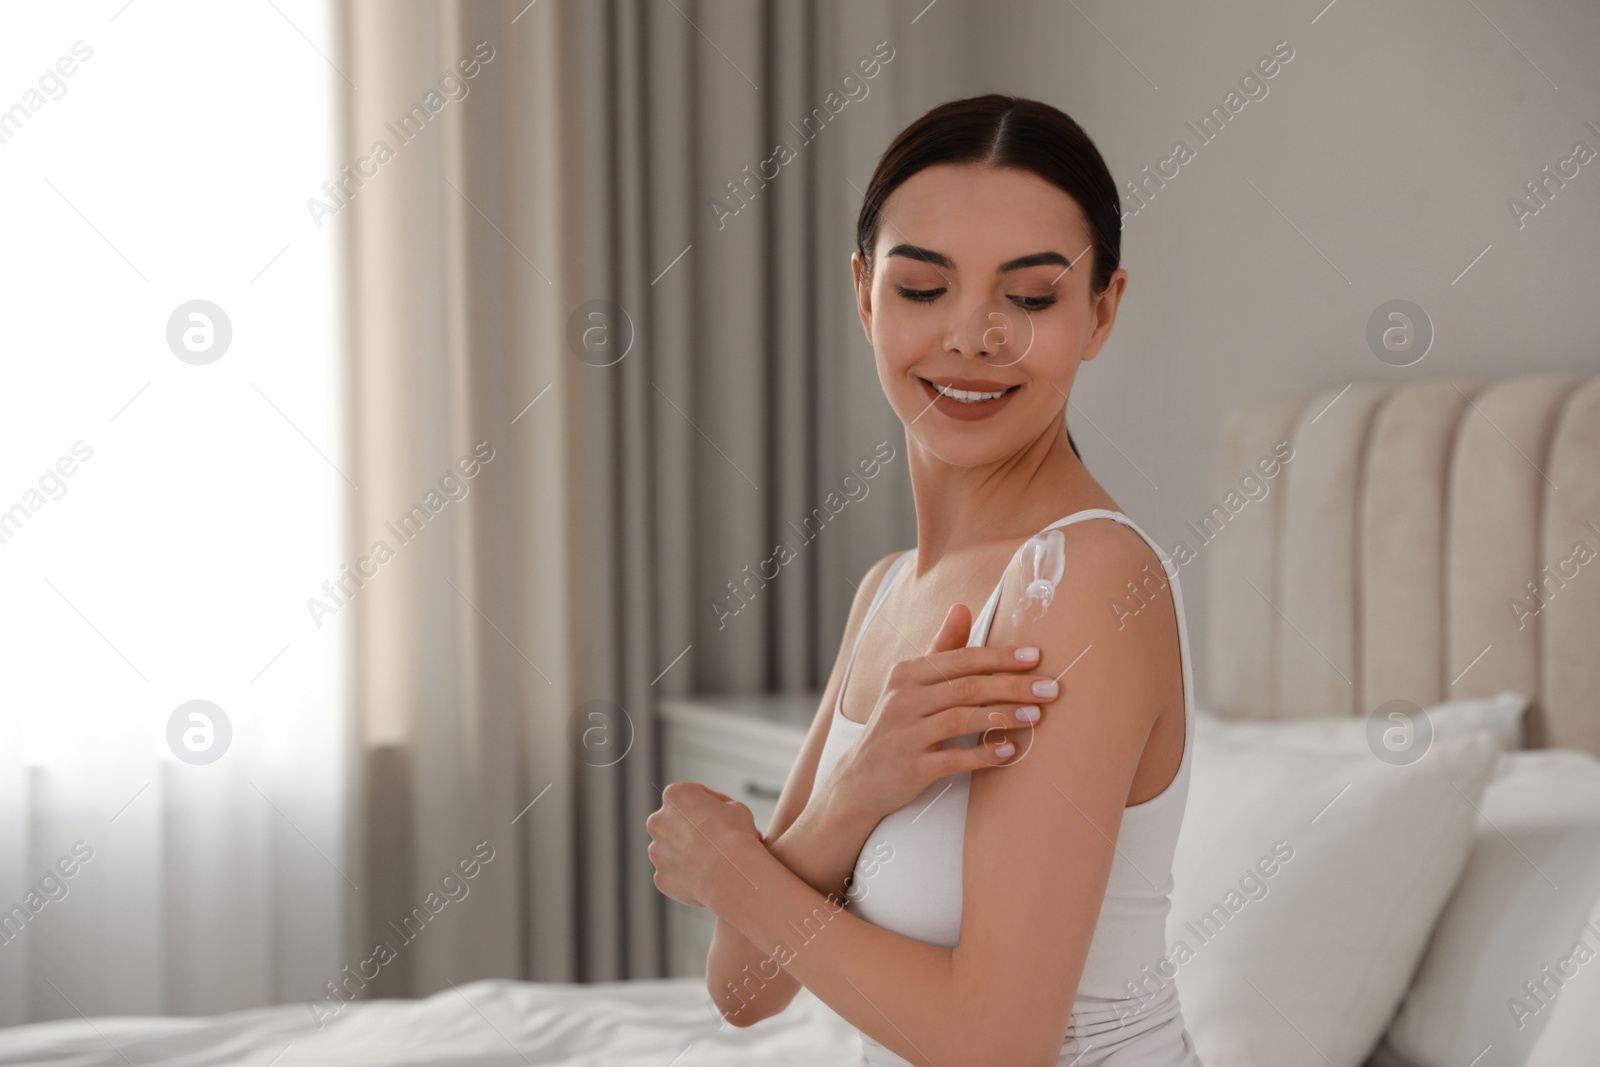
1125	1014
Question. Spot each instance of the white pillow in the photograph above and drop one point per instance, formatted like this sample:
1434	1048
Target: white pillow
1501	714
1572	1034
1529	885
1322	869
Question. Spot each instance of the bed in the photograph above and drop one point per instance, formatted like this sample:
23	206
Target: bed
477	1024
1429	548
1415	580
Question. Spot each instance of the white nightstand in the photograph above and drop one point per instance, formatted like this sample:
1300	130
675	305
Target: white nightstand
739	745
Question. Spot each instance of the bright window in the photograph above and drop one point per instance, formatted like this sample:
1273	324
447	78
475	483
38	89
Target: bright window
165	511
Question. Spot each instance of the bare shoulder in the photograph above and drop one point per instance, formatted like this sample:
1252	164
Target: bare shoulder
1108	545
1098	577
1103	616
871	581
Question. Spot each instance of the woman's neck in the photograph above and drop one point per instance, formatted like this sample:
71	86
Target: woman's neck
963	507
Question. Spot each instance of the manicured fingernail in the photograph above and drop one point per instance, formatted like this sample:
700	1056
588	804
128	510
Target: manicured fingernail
1004	751
1028	713
1027	655
1044	689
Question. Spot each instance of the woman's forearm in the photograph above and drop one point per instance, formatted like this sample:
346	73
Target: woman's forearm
745	985
886	985
821	847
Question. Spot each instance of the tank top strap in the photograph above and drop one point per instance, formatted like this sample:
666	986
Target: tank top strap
985	619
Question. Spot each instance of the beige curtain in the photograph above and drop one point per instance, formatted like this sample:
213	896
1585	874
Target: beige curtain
673	382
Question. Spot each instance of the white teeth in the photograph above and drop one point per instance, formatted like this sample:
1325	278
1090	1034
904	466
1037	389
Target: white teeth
966	396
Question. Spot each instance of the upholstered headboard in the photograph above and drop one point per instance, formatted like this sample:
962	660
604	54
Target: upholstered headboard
1431	542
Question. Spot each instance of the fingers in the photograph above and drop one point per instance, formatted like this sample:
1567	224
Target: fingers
977	693
980	681
996	750
994	724
955	631
944	664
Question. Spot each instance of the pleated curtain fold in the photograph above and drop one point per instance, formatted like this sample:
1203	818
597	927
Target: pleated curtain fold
608	274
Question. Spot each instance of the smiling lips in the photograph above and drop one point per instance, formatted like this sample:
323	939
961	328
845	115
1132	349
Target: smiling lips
968	399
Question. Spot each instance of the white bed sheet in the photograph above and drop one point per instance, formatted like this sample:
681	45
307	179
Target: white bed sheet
491	1023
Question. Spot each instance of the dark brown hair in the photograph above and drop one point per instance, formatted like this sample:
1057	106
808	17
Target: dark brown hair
1001	130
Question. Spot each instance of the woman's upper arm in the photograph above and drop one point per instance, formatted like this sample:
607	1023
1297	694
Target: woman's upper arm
797	789
1041	829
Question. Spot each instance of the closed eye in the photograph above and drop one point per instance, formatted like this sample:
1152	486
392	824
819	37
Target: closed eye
1026	303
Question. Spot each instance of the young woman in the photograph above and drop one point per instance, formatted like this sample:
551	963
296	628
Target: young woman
972	857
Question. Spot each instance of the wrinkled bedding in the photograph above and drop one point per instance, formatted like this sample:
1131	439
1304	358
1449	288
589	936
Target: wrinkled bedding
656	1023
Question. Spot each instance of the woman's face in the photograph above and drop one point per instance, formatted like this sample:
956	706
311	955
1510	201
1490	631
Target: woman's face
980	284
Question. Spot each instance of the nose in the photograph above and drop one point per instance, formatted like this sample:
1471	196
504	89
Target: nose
971	330
993	330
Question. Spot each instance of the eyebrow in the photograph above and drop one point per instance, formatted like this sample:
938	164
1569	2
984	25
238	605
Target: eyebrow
939	259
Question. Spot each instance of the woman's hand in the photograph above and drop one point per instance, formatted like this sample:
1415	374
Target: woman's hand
692	835
950	692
